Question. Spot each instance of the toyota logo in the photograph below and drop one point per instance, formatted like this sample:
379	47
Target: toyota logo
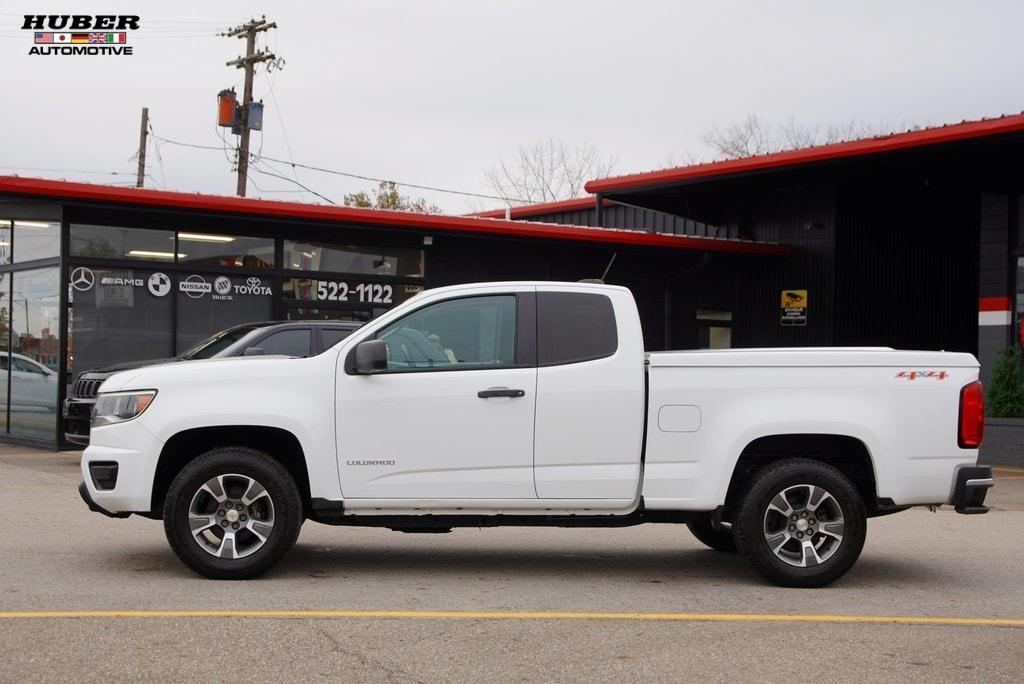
82	279
253	281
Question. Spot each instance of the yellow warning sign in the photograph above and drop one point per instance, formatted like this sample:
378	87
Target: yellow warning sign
793	307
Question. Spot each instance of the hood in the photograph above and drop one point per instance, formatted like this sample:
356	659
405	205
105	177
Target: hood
131	365
253	370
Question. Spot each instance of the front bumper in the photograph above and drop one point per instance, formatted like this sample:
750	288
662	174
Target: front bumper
972	484
83	491
130	450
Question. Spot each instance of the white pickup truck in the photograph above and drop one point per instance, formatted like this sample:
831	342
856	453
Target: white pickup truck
534	404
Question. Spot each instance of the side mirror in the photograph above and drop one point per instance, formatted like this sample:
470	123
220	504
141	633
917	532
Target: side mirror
253	351
371	357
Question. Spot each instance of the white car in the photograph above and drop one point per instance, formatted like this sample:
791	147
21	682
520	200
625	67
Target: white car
535	404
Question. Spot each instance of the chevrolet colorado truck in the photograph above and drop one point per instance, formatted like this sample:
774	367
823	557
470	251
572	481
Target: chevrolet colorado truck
535	404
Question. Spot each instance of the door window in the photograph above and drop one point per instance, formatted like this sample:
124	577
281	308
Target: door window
24	366
286	343
332	336
477	332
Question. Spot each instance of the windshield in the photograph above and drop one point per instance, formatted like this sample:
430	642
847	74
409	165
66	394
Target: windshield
217	343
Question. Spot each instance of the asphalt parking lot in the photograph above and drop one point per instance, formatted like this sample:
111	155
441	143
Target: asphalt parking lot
83	597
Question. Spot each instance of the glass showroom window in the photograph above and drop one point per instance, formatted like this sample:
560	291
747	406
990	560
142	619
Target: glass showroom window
209	303
117	315
232	251
714	329
5	346
383	261
110	242
35	357
36	240
5	243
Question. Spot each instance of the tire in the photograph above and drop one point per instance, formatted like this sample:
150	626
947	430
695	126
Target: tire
242	530
803	551
718	539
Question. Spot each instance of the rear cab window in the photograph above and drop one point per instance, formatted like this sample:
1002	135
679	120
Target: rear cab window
574	326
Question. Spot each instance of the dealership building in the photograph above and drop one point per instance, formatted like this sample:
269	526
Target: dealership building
909	240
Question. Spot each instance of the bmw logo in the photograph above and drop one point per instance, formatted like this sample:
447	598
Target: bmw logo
159	284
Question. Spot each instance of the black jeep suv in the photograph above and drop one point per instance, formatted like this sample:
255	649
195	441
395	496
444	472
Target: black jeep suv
290	338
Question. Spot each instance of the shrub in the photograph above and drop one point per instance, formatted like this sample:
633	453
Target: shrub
1005	391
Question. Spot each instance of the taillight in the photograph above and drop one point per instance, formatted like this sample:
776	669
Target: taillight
972	416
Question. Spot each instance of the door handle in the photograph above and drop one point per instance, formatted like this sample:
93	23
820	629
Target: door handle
501	392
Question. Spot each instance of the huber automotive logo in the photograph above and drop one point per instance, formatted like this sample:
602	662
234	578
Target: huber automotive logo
194	286
82	279
80	34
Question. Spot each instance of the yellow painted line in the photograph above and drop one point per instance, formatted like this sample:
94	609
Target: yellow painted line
508	615
1003	478
1007	469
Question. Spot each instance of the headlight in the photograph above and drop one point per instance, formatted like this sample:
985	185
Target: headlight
117	407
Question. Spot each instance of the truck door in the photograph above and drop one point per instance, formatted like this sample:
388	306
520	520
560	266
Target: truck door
590	395
452	416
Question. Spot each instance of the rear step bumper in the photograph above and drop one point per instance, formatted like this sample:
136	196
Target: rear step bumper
972	484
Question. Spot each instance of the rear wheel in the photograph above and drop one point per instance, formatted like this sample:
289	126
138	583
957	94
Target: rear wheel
232	513
801	523
717	538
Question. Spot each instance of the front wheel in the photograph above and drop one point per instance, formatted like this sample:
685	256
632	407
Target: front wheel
801	523
232	513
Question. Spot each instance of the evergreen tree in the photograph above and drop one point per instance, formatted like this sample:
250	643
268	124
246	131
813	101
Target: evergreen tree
1005	393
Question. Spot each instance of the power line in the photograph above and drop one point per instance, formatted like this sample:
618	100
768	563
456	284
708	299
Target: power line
98	173
346	174
256	168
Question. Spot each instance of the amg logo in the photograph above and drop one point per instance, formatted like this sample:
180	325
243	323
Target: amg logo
81	22
108	280
389	462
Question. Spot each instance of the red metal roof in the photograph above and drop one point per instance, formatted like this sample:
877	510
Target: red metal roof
575	204
89	192
966	130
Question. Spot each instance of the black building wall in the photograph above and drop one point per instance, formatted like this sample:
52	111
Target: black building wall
995	268
907	265
660	280
634	218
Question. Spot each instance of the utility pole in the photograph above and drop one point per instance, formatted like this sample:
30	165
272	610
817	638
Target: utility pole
248	31
143	132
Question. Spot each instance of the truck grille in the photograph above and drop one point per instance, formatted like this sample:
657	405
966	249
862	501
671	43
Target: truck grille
85	388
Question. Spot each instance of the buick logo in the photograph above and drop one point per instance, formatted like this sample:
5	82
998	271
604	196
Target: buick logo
222	285
82	279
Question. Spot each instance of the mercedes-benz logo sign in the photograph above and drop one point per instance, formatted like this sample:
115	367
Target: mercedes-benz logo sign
159	284
222	285
82	279
253	281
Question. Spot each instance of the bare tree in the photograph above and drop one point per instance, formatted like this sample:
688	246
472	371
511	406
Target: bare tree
755	135
747	138
547	171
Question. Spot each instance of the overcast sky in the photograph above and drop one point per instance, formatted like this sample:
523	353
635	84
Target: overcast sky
433	92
